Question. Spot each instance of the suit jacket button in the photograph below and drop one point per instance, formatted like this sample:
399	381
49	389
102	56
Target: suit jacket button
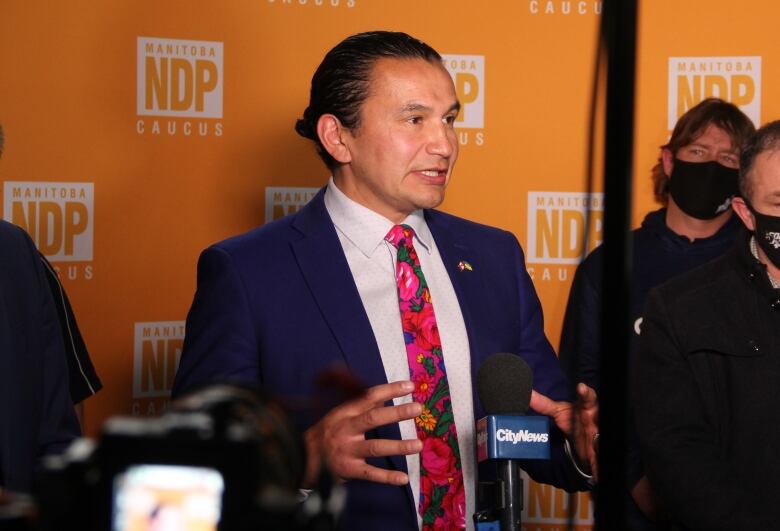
776	305
753	345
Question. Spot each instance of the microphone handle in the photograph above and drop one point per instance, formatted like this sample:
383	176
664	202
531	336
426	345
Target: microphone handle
511	490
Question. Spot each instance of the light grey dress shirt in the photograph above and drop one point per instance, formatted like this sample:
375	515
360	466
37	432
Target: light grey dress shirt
372	262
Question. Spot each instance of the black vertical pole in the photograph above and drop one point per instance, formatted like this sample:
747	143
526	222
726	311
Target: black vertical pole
619	30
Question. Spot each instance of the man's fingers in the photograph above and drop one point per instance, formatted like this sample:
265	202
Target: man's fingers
381	416
380	475
378	395
385	447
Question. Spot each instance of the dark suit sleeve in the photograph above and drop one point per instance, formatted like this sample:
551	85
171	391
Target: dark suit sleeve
38	417
220	343
678	437
549	380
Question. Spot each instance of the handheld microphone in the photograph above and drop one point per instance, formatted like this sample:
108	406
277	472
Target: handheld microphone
504	435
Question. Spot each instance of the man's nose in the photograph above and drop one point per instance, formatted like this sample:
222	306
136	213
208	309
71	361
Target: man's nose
442	140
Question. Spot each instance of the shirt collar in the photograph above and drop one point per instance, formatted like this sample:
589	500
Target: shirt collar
365	228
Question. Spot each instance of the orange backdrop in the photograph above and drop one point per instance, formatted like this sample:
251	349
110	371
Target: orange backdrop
139	132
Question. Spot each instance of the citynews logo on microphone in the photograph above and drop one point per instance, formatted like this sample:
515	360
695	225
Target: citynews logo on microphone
156	354
59	217
504	435
179	87
468	75
498	437
556	231
734	79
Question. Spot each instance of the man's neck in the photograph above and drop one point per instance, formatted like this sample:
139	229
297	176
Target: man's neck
694	229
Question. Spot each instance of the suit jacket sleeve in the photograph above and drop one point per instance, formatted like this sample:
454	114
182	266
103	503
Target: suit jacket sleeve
220	343
678	436
549	380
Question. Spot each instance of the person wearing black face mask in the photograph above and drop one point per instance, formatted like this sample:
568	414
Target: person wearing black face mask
695	178
705	384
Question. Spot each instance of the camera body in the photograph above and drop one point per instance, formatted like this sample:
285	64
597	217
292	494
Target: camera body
222	458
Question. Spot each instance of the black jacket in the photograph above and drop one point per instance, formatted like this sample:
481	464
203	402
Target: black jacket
706	390
36	414
659	254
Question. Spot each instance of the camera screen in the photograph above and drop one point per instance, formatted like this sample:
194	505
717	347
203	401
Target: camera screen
166	497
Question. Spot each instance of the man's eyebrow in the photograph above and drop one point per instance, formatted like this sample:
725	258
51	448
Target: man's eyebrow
415	107
419	107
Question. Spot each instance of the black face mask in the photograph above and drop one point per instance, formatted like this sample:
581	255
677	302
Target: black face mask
767	234
703	190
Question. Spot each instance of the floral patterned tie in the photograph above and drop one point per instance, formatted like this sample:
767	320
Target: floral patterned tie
442	495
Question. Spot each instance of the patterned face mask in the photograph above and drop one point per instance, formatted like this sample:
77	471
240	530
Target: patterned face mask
767	234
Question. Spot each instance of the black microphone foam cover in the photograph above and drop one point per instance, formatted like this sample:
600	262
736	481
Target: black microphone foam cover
504	383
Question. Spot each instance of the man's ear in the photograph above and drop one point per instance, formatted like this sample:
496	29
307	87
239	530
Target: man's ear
744	213
667	160
331	134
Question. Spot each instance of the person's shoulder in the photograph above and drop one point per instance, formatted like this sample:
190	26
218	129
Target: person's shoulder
700	284
272	233
467	229
16	246
11	234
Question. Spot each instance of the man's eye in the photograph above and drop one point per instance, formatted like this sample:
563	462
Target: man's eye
415	120
450	119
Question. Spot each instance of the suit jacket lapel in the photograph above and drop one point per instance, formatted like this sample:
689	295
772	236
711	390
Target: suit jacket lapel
325	268
327	273
469	286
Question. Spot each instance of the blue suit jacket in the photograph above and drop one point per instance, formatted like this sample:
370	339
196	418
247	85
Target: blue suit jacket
278	305
36	413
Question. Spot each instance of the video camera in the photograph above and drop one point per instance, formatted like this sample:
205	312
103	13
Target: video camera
221	458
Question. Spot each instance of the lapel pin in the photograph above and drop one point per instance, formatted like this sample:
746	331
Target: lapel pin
464	266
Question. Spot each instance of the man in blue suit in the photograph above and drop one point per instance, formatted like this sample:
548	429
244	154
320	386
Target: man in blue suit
279	305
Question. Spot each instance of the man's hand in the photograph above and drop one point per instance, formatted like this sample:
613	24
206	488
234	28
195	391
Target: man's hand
578	421
339	437
586	427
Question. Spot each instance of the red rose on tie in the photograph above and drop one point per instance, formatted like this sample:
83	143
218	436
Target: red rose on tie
423	325
439	460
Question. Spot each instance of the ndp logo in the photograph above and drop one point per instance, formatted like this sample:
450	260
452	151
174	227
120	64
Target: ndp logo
179	78
156	356
280	202
468	74
734	79
504	435
556	225
57	216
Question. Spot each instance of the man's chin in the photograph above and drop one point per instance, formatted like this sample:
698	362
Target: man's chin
429	202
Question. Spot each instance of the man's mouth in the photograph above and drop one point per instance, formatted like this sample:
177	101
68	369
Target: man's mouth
434	173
